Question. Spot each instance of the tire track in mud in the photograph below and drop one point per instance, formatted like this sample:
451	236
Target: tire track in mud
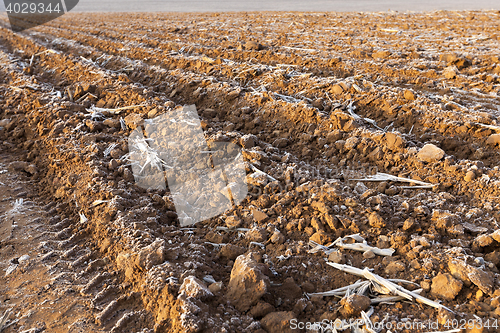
51	279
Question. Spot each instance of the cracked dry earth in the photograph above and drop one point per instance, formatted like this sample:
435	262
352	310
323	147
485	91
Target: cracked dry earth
316	101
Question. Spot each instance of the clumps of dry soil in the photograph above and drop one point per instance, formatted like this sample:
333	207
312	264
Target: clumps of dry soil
319	103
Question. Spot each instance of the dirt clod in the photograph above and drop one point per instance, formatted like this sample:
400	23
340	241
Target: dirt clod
278	322
446	286
430	153
353	305
247	283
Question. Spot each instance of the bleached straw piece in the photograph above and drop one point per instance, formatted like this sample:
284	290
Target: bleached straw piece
364	288
318	247
379	289
492	127
356	237
389	30
215	245
381	299
99	202
363	247
4	318
340	291
108	150
404	281
417	186
209	279
380	176
115	111
288	99
299	49
351	108
83	218
398	290
262	172
234	229
348	269
123	125
392	287
368	323
17	207
358	89
46	51
258	244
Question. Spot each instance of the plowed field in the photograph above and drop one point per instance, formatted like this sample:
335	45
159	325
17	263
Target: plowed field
320	103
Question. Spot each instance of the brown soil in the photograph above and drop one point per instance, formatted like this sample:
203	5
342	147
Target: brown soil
121	269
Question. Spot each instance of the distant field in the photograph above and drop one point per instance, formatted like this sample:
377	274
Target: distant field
280	5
